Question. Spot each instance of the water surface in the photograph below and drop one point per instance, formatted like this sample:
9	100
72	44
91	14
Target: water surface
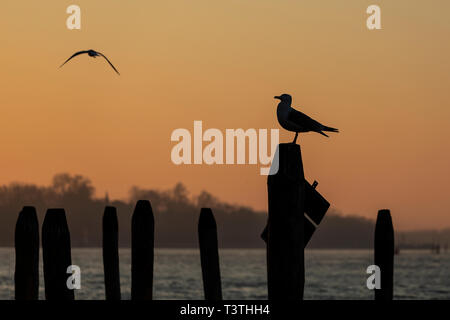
330	274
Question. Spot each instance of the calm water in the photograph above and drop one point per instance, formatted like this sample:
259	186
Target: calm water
329	274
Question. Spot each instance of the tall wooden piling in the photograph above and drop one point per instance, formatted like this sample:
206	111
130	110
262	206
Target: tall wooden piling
111	254
142	251
285	234
57	255
384	254
26	240
209	255
315	208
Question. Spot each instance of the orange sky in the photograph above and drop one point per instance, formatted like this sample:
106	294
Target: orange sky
180	61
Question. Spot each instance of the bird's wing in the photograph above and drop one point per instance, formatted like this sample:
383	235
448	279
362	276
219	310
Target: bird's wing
304	121
108	62
73	56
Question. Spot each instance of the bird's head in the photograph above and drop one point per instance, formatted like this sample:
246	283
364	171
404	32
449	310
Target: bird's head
284	98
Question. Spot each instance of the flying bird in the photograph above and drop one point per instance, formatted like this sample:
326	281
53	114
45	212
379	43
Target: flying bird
296	121
93	54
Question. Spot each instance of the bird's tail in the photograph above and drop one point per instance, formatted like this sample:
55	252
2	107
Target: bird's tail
325	128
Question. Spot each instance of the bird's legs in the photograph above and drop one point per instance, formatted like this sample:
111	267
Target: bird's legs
295	138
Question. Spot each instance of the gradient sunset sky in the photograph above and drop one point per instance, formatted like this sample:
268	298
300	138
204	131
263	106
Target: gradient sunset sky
388	91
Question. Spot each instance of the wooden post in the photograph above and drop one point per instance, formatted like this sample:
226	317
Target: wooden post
285	235
26	275
384	254
209	255
142	241
57	255
111	254
315	208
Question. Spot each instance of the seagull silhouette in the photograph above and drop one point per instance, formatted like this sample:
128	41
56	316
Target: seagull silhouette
93	54
296	121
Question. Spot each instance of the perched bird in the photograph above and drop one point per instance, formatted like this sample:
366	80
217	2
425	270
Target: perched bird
295	121
93	54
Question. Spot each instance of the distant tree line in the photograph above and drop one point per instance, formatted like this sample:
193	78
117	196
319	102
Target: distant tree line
176	215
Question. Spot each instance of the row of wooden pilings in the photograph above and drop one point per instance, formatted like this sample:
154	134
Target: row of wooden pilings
287	233
56	251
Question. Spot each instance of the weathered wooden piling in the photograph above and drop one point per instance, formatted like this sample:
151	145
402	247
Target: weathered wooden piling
26	240
209	255
142	251
384	254
285	235
315	208
56	255
308	230
111	254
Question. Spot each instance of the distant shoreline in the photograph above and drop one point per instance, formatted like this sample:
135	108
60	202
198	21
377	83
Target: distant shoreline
253	248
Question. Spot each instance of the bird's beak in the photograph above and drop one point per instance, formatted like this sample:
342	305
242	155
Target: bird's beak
277	97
